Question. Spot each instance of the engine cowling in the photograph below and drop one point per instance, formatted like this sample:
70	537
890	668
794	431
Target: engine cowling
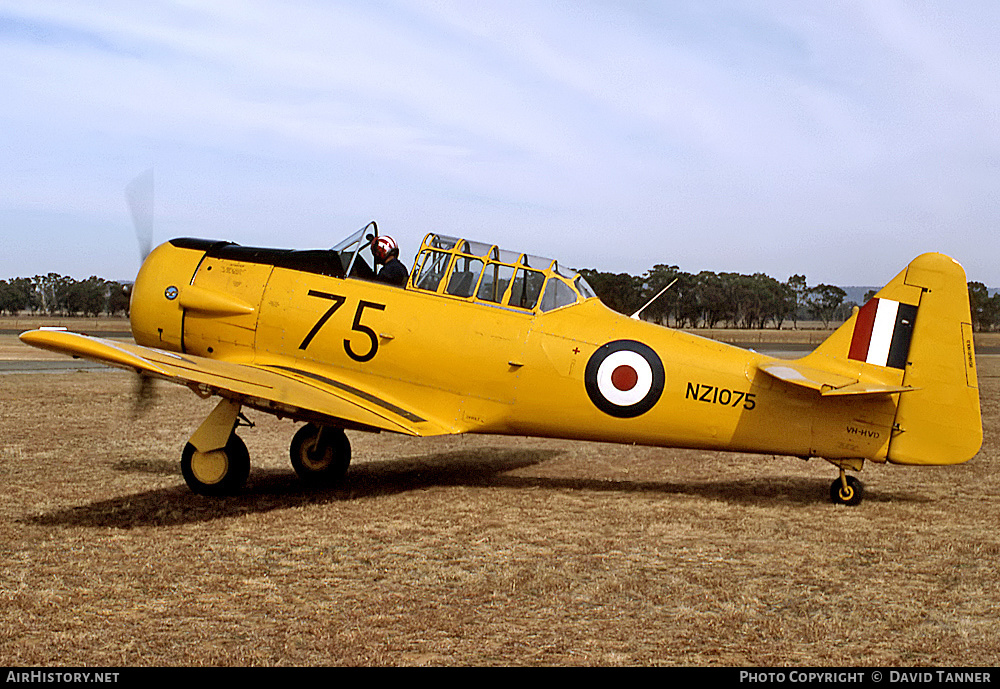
156	307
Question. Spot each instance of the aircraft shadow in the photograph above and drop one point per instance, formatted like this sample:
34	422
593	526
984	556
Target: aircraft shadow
278	489
760	492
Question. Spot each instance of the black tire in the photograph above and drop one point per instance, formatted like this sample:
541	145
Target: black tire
320	455
217	474
852	496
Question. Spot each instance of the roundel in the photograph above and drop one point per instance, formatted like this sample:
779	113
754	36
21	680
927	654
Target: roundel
624	378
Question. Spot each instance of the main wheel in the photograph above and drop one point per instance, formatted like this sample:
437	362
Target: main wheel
851	495
320	454
219	472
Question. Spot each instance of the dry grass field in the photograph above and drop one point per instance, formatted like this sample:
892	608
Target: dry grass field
475	550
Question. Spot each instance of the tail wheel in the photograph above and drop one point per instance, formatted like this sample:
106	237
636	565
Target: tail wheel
847	491
217	472
320	454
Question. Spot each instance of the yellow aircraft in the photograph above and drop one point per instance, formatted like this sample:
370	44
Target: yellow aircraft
481	340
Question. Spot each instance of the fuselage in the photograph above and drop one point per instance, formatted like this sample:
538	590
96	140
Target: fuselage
475	364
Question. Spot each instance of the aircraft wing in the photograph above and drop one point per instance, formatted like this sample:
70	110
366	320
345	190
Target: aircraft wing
275	387
827	383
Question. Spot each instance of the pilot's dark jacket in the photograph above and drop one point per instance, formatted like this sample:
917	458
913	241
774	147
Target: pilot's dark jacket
394	273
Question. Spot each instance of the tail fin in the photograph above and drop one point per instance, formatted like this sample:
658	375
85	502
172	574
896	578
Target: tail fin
916	333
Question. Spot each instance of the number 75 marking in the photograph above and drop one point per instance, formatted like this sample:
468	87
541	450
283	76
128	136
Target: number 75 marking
338	301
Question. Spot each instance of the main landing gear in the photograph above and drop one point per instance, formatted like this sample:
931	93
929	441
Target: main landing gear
320	454
215	461
219	472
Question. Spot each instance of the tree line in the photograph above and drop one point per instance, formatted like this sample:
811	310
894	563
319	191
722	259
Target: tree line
985	308
60	295
714	300
734	300
693	300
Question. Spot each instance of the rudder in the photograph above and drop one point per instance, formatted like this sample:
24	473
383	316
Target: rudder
939	422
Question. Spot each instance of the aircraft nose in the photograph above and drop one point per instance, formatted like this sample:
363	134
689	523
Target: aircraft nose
155	312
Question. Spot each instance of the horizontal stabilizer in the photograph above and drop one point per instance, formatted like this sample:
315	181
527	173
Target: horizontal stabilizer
827	382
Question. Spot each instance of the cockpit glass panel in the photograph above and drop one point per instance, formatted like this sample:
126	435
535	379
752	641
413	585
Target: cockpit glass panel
360	268
475	248
350	242
348	249
557	294
526	288
443	242
464	276
564	271
585	290
508	256
496	277
431	267
537	262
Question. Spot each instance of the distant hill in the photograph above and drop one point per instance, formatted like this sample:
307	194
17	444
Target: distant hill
857	293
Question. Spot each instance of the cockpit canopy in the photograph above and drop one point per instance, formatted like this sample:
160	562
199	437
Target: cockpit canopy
449	266
485	273
349	250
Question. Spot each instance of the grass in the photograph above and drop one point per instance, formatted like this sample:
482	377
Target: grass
475	550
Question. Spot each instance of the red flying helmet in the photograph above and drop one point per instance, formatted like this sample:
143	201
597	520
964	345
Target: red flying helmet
384	247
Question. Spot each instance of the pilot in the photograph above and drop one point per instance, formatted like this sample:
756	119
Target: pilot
386	254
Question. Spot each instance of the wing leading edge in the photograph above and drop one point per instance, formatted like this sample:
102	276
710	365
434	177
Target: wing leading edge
276	387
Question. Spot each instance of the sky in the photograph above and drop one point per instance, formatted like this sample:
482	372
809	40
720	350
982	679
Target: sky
835	139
